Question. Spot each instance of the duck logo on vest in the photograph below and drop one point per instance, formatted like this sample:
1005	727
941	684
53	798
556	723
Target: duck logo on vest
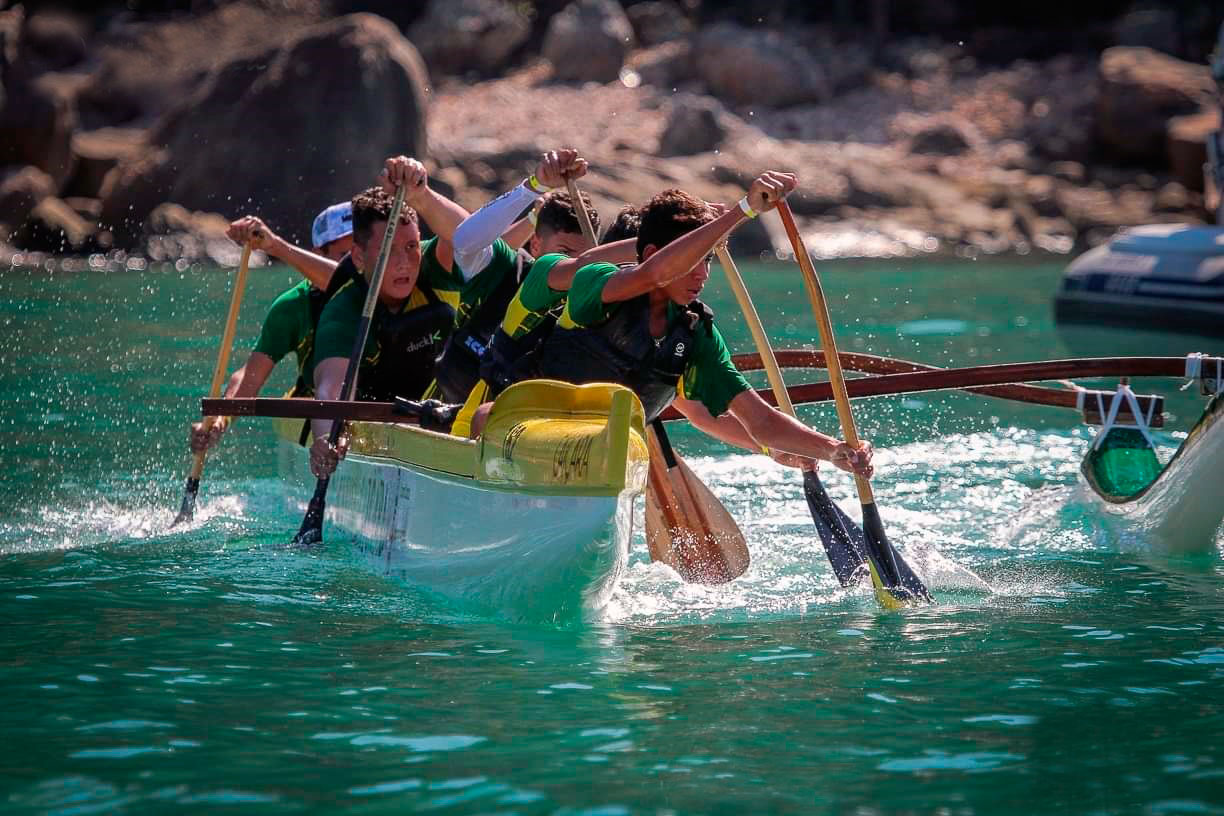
679	350
424	342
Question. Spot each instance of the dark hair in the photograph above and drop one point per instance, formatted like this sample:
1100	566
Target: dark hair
557	214
628	222
371	207
669	215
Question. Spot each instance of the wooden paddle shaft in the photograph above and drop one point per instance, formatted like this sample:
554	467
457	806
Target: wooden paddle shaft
768	360
584	217
227	343
349	385
820	309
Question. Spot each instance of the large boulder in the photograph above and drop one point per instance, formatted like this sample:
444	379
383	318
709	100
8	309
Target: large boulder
658	21
149	64
695	124
665	66
36	124
281	132
53	226
21	190
1141	90
457	36
97	152
758	67
588	41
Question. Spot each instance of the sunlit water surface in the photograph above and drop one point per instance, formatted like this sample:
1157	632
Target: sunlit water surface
1066	666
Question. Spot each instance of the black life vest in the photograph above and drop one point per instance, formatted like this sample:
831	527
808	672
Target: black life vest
508	360
458	366
317	298
401	364
622	350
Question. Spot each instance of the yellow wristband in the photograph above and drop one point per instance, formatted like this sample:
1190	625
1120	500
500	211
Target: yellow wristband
765	450
535	186
747	208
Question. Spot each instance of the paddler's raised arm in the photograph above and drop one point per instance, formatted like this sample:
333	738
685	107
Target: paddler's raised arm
659	267
314	268
561	275
475	236
441	214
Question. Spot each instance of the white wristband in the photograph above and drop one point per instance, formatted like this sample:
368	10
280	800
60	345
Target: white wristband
747	208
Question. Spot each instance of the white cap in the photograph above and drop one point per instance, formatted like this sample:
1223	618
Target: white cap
332	224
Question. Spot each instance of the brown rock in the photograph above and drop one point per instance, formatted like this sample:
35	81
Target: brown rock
588	41
758	67
1171	198
664	66
55	40
150	65
456	36
98	152
694	125
53	226
658	21
346	94
1187	145
21	190
37	122
1141	90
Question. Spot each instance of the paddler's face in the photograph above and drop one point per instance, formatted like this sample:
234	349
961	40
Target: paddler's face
403	264
687	288
570	244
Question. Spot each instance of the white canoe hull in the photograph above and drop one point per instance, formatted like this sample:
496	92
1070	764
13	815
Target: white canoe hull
489	551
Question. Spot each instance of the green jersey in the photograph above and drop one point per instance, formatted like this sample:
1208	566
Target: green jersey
534	298
709	377
288	326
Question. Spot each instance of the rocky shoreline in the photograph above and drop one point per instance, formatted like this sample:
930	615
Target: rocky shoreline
128	136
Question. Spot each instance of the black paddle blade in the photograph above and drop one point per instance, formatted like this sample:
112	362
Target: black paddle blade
311	531
841	537
187	511
897	579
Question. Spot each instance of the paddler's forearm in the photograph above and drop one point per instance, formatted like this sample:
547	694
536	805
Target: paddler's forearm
672	261
329	376
519	234
441	214
561	276
253	375
314	268
725	428
475	236
778	431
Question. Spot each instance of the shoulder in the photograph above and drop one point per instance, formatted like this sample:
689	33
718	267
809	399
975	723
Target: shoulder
593	275
348	299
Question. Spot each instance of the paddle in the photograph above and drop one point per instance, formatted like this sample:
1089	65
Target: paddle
687	527
187	510
841	537
895	583
311	531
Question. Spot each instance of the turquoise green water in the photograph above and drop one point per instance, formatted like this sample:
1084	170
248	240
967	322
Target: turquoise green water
214	670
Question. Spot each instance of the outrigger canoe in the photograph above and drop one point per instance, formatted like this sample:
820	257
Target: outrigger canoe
531	522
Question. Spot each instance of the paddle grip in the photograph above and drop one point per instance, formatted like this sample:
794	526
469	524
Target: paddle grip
584	217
